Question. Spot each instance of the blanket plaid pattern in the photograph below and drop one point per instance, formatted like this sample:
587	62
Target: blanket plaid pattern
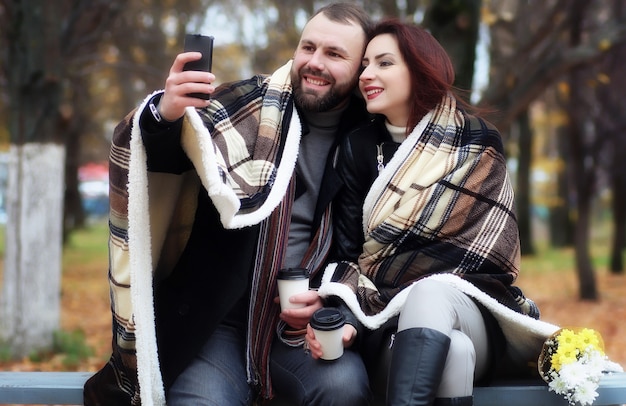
241	157
443	208
443	204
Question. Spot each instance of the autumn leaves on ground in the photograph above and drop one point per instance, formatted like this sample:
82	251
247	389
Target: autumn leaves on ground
85	304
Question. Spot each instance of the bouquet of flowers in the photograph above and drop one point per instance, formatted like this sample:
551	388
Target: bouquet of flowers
572	362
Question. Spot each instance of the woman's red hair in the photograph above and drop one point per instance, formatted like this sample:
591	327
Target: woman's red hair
430	67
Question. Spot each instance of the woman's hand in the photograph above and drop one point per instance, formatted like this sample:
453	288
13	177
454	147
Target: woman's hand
349	335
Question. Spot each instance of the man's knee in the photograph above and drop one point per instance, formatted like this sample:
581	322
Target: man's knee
343	383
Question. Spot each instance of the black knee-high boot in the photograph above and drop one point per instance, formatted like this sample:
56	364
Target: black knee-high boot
417	361
462	401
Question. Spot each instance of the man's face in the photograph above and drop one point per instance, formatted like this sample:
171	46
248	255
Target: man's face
326	63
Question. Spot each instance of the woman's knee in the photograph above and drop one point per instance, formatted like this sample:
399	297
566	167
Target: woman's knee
429	305
426	289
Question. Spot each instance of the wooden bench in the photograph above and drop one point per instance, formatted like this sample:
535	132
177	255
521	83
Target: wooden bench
66	388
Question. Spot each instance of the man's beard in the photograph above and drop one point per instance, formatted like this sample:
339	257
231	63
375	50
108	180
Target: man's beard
312	101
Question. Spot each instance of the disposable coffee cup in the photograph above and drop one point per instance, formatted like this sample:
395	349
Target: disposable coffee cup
292	281
327	323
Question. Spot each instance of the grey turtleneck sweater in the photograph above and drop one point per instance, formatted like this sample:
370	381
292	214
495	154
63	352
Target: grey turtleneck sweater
314	149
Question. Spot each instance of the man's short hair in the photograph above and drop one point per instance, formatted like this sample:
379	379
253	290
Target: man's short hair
347	13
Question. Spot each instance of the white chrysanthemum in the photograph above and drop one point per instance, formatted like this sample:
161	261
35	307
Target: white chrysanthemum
578	381
559	385
574	374
585	393
610	366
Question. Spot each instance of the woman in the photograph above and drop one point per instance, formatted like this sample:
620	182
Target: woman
439	246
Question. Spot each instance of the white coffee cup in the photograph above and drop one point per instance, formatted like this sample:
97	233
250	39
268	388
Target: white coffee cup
327	324
292	281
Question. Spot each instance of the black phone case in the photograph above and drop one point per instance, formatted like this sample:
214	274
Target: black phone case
204	45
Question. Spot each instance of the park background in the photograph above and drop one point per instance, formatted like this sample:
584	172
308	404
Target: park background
550	72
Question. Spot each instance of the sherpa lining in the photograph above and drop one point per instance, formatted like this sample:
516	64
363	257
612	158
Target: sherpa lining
143	244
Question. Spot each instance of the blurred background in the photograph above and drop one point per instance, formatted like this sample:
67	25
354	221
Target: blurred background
550	72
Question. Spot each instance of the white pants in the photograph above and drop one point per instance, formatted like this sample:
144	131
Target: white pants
439	306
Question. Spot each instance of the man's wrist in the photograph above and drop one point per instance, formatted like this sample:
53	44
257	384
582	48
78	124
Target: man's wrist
152	118
155	111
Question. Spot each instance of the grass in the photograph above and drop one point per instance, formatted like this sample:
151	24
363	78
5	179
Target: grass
87	246
73	346
561	260
548	259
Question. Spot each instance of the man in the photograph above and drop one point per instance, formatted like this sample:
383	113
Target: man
197	239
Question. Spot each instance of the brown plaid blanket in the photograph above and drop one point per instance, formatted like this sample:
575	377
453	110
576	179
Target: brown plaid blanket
442	206
245	165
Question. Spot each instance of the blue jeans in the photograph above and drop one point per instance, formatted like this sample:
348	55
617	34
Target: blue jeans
301	380
217	376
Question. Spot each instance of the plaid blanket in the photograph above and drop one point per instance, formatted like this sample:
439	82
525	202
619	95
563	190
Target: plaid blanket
246	166
442	206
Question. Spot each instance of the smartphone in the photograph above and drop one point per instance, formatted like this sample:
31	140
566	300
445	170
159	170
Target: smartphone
204	45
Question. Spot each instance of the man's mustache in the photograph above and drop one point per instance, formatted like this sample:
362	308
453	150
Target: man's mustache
316	73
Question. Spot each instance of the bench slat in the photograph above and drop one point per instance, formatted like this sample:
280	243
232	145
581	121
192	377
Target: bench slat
66	388
63	388
612	391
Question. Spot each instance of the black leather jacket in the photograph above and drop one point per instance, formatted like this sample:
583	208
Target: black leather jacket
357	167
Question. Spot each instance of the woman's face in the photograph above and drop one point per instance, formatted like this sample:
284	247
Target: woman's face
385	82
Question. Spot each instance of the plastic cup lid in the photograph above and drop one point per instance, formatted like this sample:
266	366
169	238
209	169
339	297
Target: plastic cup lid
327	318
293	273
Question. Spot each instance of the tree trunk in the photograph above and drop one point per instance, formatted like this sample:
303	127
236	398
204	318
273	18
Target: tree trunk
584	267
73	214
73	123
616	104
619	212
523	196
561	227
586	276
30	307
455	25
583	170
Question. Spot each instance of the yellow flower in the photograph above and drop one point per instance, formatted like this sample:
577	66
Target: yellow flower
566	338
571	345
563	357
572	364
590	338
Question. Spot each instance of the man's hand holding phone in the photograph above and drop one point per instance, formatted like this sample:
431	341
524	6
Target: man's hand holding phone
189	83
204	45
